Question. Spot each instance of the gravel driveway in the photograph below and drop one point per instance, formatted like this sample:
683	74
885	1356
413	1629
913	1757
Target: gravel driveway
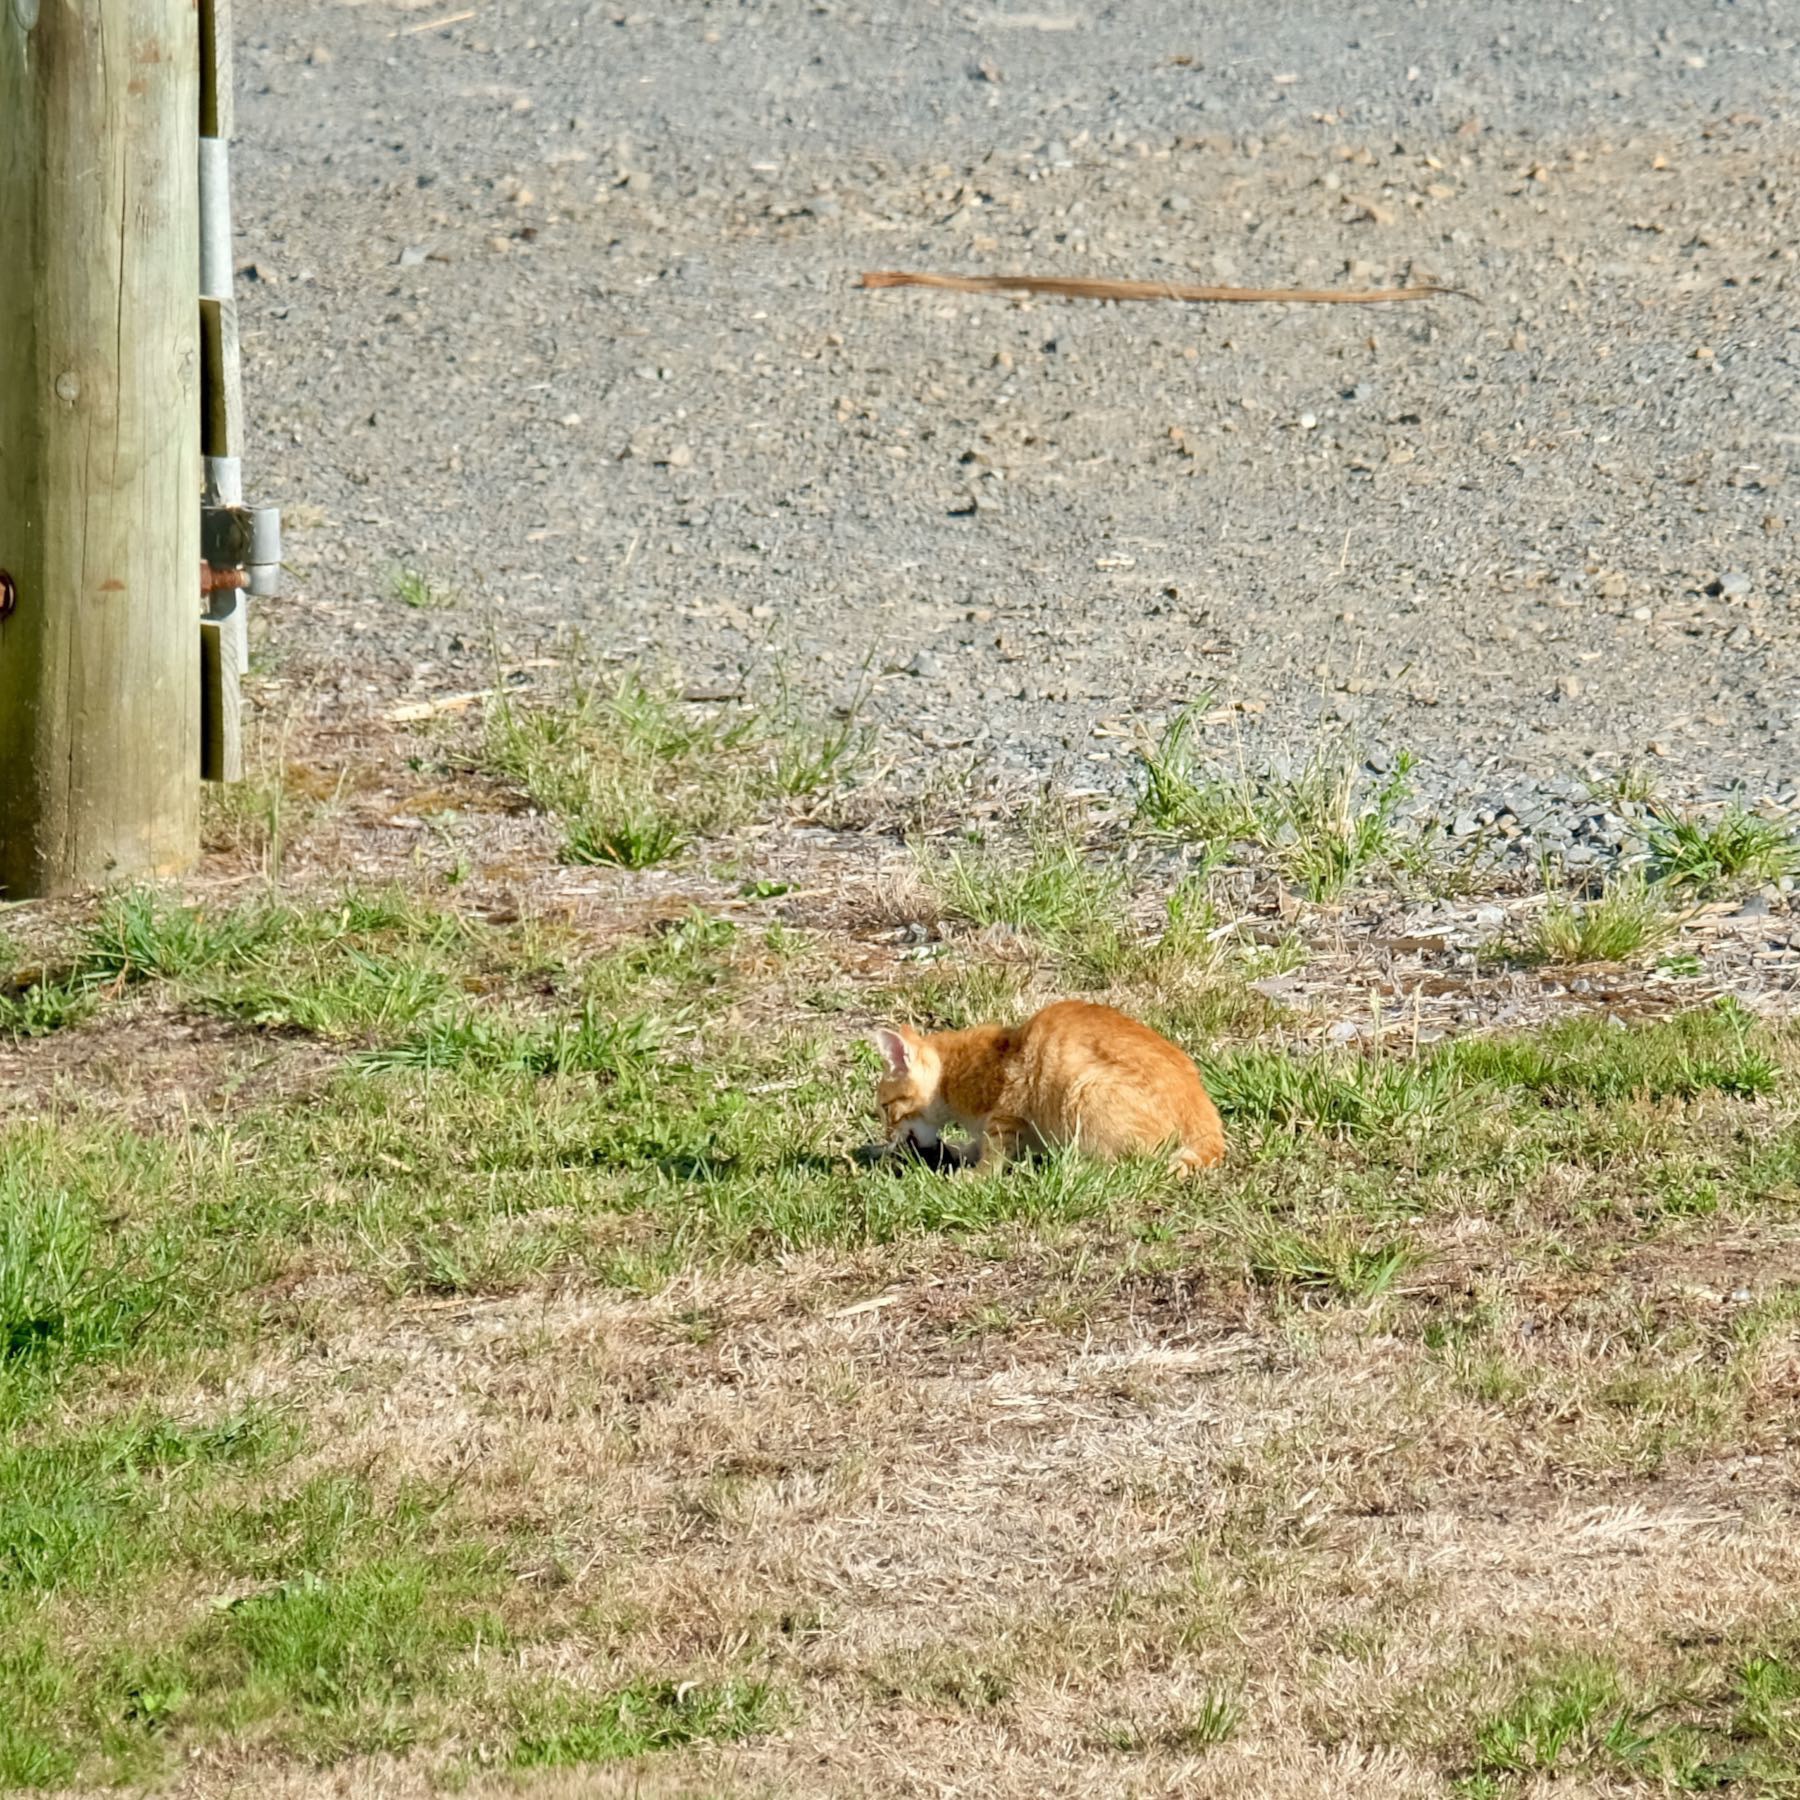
557	304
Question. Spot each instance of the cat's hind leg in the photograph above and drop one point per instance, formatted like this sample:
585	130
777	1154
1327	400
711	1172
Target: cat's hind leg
1190	1161
1000	1141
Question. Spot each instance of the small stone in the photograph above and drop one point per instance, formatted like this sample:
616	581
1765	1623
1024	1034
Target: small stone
1308	422
412	257
1756	907
1464	825
681	457
318	56
1568	687
925	665
1734	584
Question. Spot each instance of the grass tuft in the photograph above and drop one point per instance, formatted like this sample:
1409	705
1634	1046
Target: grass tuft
1630	917
558	1727
1337	1094
592	1044
1560	1721
1323	825
1735	851
141	935
44	1006
62	1296
635	774
1179	795
1212	1722
621	831
1719	1049
1053	893
414	588
1340	1264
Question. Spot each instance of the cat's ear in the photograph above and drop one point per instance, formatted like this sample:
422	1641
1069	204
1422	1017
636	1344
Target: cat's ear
896	1052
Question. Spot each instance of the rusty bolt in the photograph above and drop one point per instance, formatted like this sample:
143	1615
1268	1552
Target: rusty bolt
220	581
9	595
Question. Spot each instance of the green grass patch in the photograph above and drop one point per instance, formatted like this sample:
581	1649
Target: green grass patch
1723	855
359	963
1053	893
634	774
557	1727
1696	1727
591	1043
336	1664
1337	1263
1324	824
414	588
1630	917
1718	1049
142	935
80	1511
73	1286
41	1007
1069	906
321	1622
1338	1094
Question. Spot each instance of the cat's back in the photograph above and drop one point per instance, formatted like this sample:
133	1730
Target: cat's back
1074	1036
1093	1072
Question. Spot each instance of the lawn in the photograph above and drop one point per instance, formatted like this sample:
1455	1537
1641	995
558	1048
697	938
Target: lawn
451	1337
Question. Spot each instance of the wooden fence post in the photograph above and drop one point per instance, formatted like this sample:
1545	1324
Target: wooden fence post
99	442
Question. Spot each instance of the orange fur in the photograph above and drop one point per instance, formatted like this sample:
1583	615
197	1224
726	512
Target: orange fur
1074	1073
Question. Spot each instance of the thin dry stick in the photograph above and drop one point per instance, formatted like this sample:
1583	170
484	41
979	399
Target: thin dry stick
1083	288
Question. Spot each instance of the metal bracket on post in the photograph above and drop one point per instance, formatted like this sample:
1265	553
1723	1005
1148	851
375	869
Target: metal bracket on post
241	546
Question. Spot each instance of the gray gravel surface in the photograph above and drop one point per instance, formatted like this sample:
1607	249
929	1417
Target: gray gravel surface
557	304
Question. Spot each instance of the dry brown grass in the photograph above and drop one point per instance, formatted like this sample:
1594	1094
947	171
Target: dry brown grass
984	1565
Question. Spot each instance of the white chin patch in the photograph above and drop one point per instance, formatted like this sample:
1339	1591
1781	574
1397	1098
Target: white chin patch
918	1133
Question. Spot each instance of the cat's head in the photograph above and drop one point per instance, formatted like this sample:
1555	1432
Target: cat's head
908	1092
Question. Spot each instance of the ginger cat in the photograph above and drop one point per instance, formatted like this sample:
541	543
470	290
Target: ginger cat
1074	1073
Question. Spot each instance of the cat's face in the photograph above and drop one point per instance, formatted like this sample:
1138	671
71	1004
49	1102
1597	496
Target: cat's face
907	1093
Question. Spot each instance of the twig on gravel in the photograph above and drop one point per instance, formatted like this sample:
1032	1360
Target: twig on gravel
435	24
413	711
1084	288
